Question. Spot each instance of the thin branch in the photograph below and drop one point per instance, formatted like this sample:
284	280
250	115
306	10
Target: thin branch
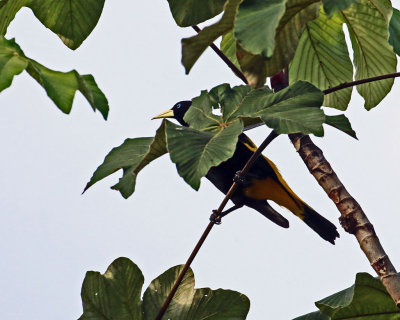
221	207
355	83
225	59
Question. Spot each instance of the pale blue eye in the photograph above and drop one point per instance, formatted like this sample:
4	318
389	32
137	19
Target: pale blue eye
178	105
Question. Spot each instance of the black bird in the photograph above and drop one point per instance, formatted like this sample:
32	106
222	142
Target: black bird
263	182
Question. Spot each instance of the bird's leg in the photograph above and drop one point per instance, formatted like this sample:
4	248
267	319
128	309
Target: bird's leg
216	218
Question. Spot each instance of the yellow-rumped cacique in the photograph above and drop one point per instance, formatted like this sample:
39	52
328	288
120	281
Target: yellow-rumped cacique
263	182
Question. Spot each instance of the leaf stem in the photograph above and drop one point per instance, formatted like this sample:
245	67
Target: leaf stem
221	207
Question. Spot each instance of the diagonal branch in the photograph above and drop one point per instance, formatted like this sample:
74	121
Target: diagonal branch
221	207
352	217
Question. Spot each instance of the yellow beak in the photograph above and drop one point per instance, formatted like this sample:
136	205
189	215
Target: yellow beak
166	114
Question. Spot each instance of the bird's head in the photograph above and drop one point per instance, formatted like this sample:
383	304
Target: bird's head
177	112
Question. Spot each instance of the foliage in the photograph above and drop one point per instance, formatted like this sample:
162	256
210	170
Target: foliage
71	20
261	38
63	18
211	138
116	295
366	299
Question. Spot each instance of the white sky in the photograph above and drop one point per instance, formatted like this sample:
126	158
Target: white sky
51	235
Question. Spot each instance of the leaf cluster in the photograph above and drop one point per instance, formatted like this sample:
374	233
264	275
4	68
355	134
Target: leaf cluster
117	295
263	37
72	21
211	138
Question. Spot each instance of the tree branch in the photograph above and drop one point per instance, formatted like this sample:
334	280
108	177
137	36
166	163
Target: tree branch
221	207
366	80
353	219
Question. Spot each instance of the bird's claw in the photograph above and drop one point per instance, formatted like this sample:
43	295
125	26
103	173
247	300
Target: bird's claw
215	217
239	177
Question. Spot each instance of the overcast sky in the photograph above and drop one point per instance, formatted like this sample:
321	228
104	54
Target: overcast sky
51	235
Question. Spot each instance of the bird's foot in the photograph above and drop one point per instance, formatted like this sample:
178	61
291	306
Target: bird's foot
239	177
215	217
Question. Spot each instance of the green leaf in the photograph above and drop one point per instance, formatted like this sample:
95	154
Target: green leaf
88	87
132	156
191	12
293	109
366	299
373	56
194	152
200	116
256	23
255	67
228	47
116	295
331	6
191	303
394	30
12	61
8	10
317	315
342	123
288	33
59	86
113	295
71	20
322	59
193	47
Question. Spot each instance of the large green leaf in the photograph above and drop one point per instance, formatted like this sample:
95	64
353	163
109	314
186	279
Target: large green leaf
367	299
256	23
12	61
291	26
193	47
132	156
191	303
255	67
191	12
331	6
71	20
8	10
116	295
322	58
194	152
293	109
113	295
373	55
60	86
394	30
